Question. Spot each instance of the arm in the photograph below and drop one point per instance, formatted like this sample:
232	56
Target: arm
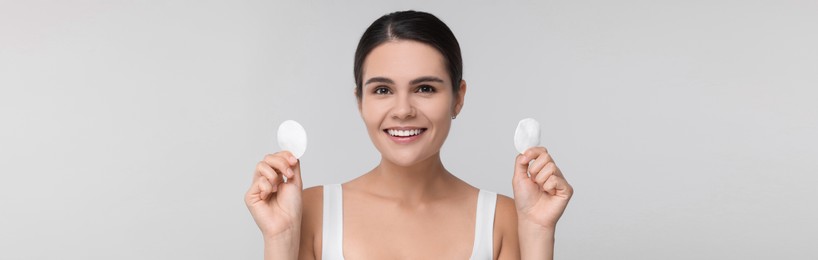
282	247
536	242
541	195
506	225
276	205
520	239
311	223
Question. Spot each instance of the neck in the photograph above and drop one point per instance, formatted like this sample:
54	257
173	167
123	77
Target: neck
417	183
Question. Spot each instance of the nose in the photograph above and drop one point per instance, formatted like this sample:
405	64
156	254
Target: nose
403	108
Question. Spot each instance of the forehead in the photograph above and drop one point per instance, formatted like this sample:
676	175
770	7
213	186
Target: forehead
404	60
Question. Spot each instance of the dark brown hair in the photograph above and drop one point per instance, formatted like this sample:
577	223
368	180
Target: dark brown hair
410	25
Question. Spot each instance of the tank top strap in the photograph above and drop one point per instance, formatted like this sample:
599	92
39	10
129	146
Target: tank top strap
332	240
484	226
333	224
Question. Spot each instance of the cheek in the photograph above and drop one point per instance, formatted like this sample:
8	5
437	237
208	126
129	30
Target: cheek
439	109
371	113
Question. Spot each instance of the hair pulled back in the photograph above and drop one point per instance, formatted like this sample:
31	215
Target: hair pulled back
416	26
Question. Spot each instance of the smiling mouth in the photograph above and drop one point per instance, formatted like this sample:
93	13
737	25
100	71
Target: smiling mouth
404	132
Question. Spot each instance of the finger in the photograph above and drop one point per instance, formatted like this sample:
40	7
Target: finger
534	152
557	186
286	155
280	163
521	168
296	179
538	164
265	188
558	172
254	194
264	170
254	190
289	156
550	185
546	172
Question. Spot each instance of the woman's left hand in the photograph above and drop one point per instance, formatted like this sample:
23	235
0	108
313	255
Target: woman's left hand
540	198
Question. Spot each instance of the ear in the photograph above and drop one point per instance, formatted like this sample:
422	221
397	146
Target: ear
461	97
355	93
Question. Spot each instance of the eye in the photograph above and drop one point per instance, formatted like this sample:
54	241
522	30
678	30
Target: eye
426	89
382	90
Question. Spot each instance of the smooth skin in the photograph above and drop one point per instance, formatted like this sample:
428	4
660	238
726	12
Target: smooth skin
409	206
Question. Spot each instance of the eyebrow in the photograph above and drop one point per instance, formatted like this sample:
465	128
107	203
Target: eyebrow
425	79
413	82
379	80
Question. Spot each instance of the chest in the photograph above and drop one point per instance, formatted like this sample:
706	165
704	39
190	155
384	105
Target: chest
387	231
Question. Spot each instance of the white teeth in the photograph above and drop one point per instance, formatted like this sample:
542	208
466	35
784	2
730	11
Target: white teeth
403	133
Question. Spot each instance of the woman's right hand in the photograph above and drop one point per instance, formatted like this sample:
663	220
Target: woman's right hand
274	204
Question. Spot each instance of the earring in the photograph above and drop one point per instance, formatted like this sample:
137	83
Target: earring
454	116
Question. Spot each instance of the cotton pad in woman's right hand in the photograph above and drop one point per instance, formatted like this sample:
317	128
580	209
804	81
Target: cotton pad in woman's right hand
292	138
527	134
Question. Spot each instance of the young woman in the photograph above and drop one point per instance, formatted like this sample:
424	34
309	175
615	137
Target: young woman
408	74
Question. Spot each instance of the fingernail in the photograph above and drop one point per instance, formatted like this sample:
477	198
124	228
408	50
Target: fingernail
290	173
293	160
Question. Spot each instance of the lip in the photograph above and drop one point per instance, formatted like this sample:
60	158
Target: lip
404	128
407	139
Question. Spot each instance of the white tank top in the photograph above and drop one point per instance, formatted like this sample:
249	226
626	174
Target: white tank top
333	230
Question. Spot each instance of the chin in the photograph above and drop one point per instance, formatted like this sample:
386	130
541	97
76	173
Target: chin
405	159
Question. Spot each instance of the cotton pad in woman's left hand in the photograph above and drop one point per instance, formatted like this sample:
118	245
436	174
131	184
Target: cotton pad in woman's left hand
292	138
527	134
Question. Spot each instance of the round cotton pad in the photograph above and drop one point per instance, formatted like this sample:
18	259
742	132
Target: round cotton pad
527	134
292	137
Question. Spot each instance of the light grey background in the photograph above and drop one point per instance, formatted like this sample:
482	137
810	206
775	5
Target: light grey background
130	129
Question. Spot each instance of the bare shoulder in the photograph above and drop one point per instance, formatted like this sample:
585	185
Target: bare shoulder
312	195
312	201
505	229
505	215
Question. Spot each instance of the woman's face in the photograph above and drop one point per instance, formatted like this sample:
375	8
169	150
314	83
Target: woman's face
407	101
